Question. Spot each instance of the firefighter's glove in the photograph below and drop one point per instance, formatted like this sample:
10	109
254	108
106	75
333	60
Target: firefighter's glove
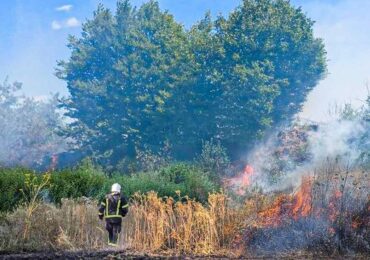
101	217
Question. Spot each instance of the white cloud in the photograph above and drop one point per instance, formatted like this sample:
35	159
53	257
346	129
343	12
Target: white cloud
55	25
72	22
64	8
69	23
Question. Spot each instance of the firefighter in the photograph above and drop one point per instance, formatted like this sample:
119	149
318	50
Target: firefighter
113	209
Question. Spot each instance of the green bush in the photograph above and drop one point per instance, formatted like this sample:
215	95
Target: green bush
191	180
84	180
187	179
11	181
87	180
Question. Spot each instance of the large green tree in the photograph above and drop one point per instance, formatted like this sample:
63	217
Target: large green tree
138	80
254	71
120	75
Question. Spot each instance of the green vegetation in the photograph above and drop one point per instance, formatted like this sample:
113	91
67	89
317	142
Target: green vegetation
12	181
86	180
139	81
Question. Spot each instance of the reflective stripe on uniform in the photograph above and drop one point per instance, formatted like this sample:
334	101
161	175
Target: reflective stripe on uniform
113	216
107	215
107	207
118	206
101	214
125	206
103	203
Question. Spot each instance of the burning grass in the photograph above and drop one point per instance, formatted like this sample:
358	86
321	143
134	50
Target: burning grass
329	212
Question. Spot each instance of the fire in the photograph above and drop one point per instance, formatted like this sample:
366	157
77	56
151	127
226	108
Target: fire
242	181
319	207
245	176
302	199
54	162
273	216
333	205
292	206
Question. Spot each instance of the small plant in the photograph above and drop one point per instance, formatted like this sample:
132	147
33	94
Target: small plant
213	158
32	196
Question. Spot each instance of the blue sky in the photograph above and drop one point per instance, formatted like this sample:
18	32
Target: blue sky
33	35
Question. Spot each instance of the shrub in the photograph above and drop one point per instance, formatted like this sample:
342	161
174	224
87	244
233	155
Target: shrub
11	182
84	180
87	180
186	179
213	158
191	180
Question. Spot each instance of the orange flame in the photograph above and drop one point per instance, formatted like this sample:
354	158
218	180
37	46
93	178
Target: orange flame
245	176
302	199
294	206
333	205
241	181
273	216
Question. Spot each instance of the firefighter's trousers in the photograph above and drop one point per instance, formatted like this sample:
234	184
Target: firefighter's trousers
114	230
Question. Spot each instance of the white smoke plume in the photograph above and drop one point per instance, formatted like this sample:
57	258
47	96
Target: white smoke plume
287	155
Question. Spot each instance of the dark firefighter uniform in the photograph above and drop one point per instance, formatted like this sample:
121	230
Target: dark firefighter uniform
112	210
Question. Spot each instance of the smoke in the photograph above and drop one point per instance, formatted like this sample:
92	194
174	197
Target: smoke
336	139
287	155
320	189
28	129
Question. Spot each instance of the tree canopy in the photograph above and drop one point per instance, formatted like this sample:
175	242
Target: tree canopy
139	81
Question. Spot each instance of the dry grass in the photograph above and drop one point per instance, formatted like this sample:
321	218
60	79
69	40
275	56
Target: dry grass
74	225
153	225
157	225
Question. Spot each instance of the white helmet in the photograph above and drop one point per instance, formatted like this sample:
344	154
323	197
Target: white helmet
116	188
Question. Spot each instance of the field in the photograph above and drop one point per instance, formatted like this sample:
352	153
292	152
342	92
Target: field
327	215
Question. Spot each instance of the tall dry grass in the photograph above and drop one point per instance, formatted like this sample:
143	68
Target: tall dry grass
153	225
73	225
